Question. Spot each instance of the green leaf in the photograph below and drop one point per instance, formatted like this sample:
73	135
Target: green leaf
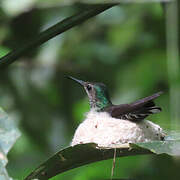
3	51
79	155
8	136
76	156
170	146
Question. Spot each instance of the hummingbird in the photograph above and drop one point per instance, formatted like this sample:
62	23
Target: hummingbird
100	102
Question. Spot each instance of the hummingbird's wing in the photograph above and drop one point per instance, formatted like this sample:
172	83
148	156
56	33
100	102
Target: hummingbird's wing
135	111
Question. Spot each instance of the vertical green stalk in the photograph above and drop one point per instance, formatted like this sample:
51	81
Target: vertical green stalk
173	65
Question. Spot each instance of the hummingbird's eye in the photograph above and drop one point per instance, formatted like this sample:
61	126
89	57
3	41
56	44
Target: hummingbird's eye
89	87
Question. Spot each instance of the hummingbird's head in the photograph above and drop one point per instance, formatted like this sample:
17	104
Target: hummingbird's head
97	93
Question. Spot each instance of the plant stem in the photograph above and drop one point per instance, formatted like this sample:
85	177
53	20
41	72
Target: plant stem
53	31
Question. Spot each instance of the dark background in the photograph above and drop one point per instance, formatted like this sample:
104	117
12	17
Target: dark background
124	47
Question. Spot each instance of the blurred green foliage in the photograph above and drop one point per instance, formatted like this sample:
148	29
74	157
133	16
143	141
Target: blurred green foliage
124	47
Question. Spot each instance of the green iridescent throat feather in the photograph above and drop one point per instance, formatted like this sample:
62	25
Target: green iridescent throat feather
102	99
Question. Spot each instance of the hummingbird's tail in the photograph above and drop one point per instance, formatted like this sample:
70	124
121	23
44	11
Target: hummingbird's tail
145	107
144	111
136	111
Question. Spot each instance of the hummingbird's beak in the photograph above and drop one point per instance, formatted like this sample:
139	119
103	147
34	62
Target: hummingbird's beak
77	80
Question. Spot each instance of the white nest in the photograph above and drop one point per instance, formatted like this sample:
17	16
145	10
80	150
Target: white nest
100	128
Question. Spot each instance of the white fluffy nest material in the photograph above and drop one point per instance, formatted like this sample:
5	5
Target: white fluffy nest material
104	130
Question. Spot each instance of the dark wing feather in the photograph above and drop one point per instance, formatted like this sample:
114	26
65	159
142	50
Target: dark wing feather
137	110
